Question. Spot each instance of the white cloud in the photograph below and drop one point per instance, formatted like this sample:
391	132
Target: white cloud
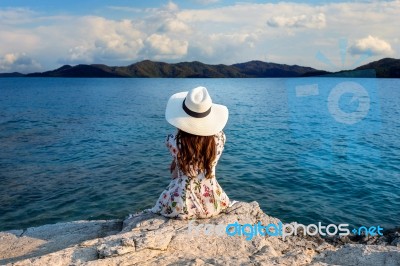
371	46
223	48
114	39
18	40
171	6
236	40
229	33
175	25
207	2
16	15
125	9
99	40
317	21
161	46
79	54
18	62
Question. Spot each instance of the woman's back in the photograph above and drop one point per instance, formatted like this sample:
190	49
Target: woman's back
196	148
194	195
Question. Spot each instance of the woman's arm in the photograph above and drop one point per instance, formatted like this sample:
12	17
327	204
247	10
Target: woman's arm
173	166
170	141
174	169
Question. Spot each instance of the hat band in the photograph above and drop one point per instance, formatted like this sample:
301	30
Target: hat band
194	114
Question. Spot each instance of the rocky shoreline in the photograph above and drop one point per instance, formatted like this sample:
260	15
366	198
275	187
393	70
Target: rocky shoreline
149	239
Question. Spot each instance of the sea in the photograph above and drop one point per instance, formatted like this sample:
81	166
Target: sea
306	149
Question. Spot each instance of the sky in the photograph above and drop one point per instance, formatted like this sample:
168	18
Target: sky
328	35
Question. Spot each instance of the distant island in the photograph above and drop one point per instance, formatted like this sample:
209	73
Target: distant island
384	68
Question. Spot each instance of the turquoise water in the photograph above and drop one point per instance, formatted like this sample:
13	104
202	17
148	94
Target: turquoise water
93	149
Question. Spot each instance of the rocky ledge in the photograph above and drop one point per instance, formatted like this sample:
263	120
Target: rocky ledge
149	239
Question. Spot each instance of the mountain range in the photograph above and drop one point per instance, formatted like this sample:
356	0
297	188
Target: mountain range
384	68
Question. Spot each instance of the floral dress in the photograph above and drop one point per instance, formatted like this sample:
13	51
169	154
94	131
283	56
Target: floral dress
196	197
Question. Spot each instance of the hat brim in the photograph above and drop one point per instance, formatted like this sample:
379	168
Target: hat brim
210	125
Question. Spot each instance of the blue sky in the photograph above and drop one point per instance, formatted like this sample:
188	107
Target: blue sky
42	35
88	6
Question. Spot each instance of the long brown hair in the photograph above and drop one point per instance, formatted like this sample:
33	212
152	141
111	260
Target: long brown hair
195	153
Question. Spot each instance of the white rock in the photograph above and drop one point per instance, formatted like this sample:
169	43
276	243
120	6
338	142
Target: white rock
149	239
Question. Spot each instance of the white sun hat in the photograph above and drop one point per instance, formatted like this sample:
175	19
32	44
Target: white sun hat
194	112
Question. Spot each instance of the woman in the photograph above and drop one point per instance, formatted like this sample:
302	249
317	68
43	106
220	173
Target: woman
196	148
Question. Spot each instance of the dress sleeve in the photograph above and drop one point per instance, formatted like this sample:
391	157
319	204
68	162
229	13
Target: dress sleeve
220	142
170	142
223	137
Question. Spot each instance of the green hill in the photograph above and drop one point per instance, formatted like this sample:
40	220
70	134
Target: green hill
384	68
